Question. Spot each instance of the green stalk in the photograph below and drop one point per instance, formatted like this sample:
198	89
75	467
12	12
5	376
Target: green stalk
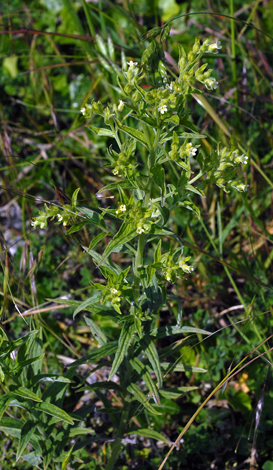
117	444
233	52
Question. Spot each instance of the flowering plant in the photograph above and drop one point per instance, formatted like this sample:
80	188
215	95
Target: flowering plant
151	131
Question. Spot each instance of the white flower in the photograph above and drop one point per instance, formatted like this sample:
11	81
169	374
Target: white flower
59	217
211	83
131	64
242	159
191	150
215	46
162	108
113	291
34	223
121	105
140	229
83	110
186	268
121	208
115	171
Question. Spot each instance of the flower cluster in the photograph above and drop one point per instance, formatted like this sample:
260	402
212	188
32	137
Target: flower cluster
141	228
172	269
181	152
52	212
123	162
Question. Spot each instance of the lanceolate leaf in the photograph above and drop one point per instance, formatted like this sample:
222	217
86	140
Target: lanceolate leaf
139	396
173	393
97	354
23	392
86	303
193	189
4	403
150	433
135	134
126	233
164	331
55	411
149	349
123	345
167	366
102	131
96	331
144	373
27	432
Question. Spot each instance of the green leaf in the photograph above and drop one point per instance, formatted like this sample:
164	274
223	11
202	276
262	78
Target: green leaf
135	134
173	393
97	239
4	403
48	378
144	373
125	184
96	331
97	354
125	234
95	217
67	458
193	189
55	411
74	198
123	345
76	227
23	392
101	131
150	433
167	366
13	427
27	432
149	349
165	331
158	173
192	207
95	308
18	366
78	431
139	396
102	386
86	303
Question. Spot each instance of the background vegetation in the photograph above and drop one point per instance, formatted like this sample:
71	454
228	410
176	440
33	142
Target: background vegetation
52	64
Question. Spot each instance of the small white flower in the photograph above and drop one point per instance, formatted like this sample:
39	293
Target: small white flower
162	108
83	111
191	150
113	291
139	230
211	83
115	171
34	223
121	208
131	64
121	105
215	46
243	159
59	217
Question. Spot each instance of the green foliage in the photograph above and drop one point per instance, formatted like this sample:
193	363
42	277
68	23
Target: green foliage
157	167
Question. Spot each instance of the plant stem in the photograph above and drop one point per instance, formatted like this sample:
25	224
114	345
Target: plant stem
233	52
